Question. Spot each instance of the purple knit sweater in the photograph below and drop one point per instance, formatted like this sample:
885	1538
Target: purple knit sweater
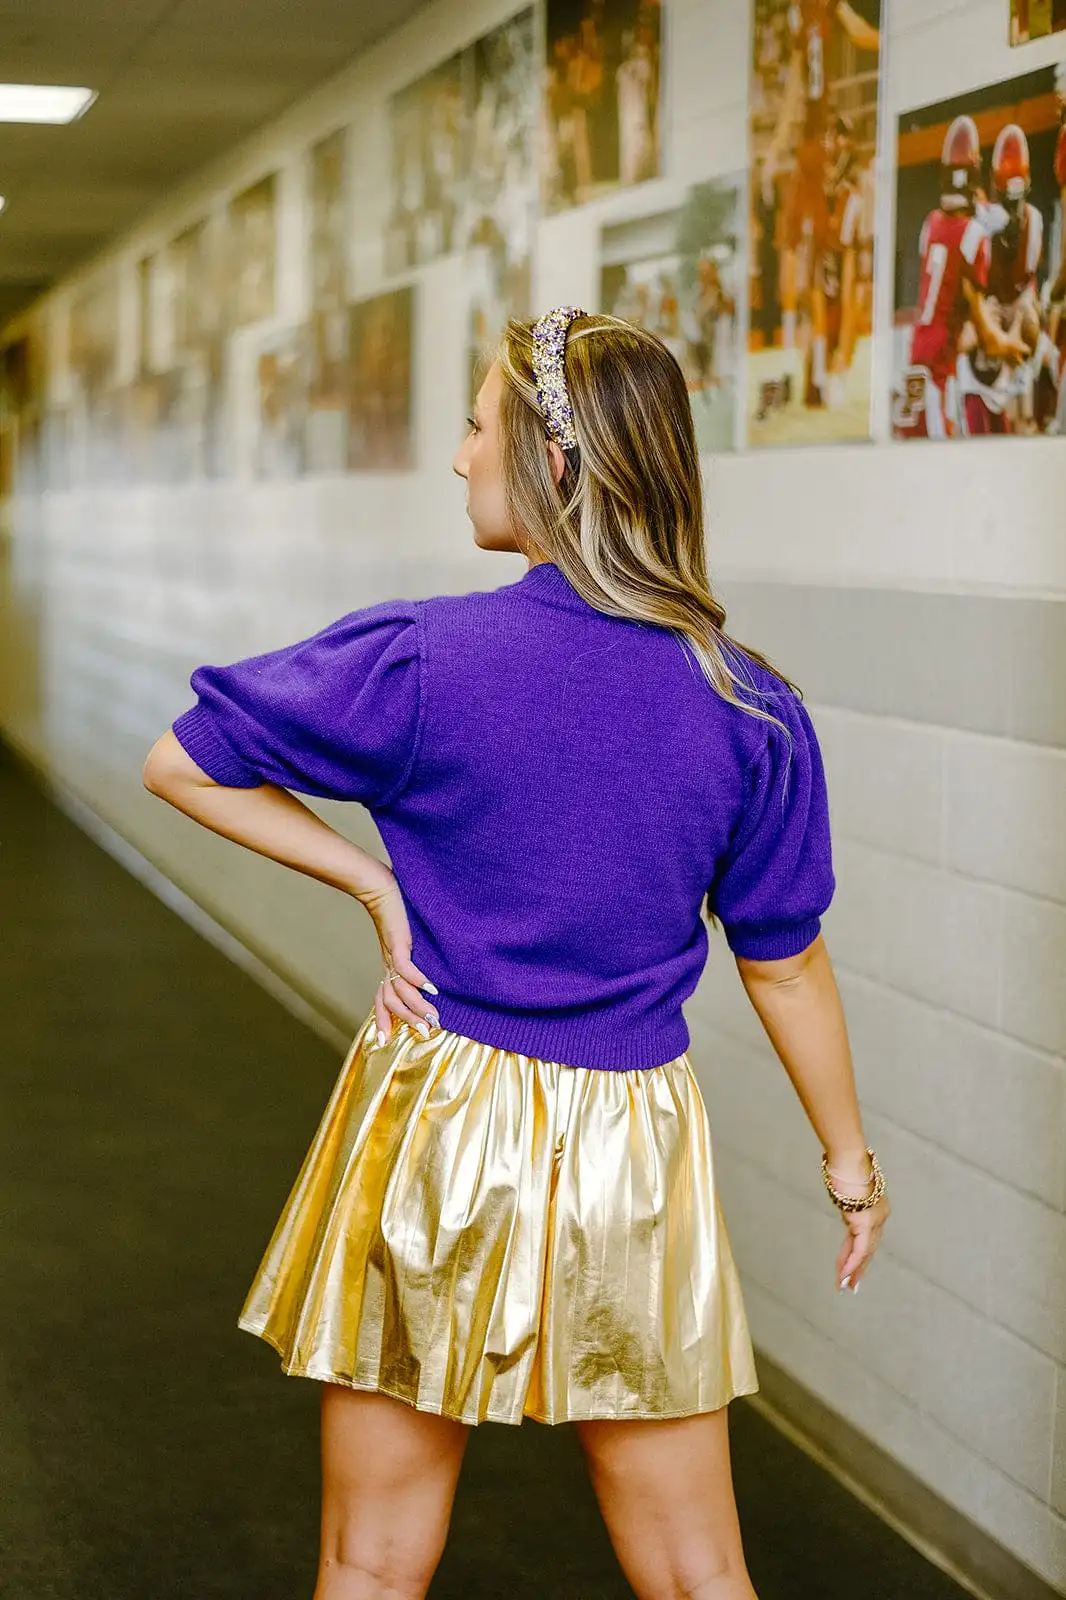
557	790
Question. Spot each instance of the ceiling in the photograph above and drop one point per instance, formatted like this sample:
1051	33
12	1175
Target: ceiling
179	81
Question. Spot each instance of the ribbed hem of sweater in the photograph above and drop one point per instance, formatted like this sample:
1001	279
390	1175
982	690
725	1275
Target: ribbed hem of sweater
196	733
583	1041
775	945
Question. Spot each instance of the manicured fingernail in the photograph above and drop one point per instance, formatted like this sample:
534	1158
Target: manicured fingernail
855	1288
845	1283
432	987
432	1017
381	1036
421	1027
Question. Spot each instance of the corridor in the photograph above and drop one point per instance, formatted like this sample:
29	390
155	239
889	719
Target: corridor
154	1106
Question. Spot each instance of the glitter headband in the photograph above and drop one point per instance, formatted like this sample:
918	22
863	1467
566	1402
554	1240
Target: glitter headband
549	351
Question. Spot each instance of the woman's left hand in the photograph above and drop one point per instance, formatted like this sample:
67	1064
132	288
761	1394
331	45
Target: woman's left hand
398	996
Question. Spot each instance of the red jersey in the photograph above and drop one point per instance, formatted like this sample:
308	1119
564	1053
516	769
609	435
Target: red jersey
811	25
1015	257
955	249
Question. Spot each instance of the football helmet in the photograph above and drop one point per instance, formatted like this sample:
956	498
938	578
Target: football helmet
1011	175
960	163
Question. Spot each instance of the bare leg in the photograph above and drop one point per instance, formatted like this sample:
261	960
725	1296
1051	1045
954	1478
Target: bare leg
788	290
666	1492
388	1481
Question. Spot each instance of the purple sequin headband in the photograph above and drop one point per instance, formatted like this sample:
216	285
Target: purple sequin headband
549	352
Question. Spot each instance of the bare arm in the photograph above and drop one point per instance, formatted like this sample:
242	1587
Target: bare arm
274	823
861	34
798	1004
268	820
999	344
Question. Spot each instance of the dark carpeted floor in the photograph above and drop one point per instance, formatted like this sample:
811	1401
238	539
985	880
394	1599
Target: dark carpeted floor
154	1108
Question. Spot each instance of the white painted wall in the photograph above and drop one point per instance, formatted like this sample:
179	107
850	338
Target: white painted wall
949	928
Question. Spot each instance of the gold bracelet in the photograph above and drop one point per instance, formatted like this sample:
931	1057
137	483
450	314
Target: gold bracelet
848	1203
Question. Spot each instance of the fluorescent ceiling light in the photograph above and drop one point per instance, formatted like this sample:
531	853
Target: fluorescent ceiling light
38	102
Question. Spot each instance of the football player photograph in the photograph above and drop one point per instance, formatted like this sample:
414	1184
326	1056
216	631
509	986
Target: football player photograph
977	315
815	91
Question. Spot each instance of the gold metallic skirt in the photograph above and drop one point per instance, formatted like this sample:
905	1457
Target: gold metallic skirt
490	1236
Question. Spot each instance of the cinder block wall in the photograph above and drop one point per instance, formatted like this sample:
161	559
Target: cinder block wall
917	595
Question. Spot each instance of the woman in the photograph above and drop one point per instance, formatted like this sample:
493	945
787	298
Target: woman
509	1208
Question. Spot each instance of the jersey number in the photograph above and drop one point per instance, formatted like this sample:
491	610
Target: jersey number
935	262
815	66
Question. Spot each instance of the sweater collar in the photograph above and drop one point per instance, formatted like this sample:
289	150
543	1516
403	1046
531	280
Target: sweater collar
548	582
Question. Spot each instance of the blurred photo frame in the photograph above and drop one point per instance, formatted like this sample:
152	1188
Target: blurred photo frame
813	117
253	253
498	217
679	274
328	331
1035	19
381	401
329	210
602	110
429	124
92	357
200	265
281	394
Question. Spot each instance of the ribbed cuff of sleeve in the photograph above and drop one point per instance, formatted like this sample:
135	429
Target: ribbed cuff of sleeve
776	944
195	731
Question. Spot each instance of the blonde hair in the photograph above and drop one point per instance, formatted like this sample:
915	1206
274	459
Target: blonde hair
625	521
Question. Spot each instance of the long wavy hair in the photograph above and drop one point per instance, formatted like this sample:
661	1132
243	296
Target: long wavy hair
625	521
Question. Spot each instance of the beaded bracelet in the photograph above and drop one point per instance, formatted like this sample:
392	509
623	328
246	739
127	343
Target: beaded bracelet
847	1203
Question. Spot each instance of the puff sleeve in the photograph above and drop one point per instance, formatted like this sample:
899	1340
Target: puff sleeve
335	715
775	879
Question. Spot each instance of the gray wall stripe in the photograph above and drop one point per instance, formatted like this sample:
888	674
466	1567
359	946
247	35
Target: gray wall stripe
987	664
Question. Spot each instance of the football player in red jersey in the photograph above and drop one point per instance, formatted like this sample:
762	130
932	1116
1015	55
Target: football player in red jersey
805	106
955	253
990	388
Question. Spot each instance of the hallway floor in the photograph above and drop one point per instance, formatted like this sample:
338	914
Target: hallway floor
155	1104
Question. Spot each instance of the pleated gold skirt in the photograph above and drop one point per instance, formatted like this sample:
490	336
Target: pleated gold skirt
489	1236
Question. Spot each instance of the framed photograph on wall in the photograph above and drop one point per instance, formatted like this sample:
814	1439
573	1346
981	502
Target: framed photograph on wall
813	137
1035	19
602	113
499	209
979	343
330	220
329	173
253	240
678	273
381	408
281	397
430	129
